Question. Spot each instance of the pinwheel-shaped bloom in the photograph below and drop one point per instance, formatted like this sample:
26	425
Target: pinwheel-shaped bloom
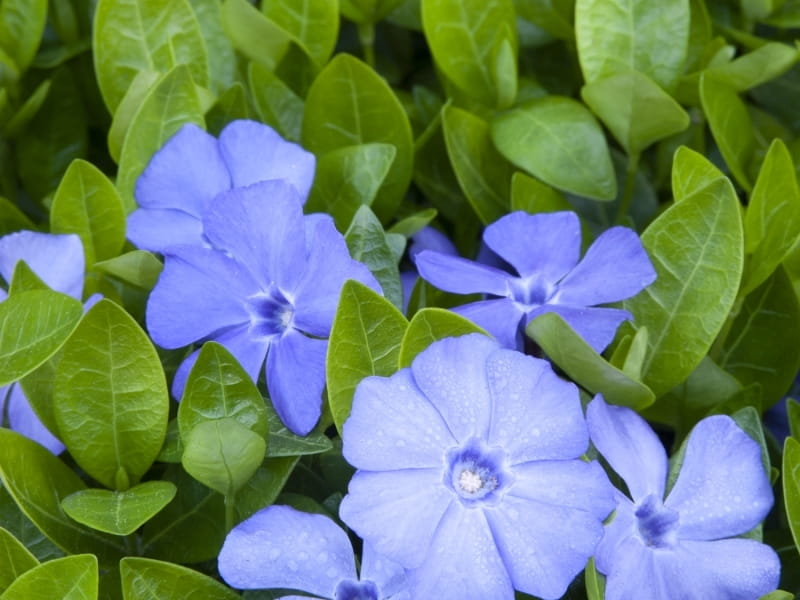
683	546
543	250
193	168
267	287
469	473
280	547
59	262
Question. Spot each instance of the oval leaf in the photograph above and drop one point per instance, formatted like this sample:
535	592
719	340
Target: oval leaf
429	325
147	579
791	486
15	559
312	24
69	578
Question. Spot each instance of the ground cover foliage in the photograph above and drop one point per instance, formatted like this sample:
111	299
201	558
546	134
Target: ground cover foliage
460	298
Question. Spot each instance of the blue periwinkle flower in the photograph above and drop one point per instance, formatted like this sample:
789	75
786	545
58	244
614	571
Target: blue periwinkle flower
193	168
280	547
683	545
469	473
267	286
542	253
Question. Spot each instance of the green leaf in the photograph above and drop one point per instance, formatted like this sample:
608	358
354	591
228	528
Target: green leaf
368	244
134	35
38	481
275	102
730	125
148	579
21	527
754	68
349	177
772	220
137	91
413	223
350	104
12	218
533	196
119	513
691	173
429	325
434	175
223	454
69	578
791	486
312	24
365	340
221	56
559	141
21	26
137	267
15	559
554	16
484	175
171	103
33	326
218	387
282	442
231	105
696	247
27	111
594	581
466	38
649	37
264	486
253	34
586	367
88	204
110	397
635	109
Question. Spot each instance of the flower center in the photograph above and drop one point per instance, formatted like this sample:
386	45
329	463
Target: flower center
270	313
657	524
355	590
476	473
531	292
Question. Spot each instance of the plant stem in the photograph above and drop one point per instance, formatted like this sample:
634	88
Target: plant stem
230	511
630	185
366	35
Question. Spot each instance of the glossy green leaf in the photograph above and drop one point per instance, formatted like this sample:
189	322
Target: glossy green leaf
350	104
134	35
533	196
696	247
253	34
137	267
429	325
559	141
649	37
434	175
33	326
595	583
635	109
730	125
110	397
12	218
282	442
554	16
21	26
22	528
119	513
88	204
15	559
585	366
466	39
222	454
413	223
172	450
365	340
23	279
171	103
16	124
264	486
276	104
148	579
367	11
312	24
772	220
126	109
70	578
754	68
483	173
221	56
38	481
368	244
691	173
231	105
791	486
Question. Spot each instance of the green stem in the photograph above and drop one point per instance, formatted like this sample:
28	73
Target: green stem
630	185
366	35
230	511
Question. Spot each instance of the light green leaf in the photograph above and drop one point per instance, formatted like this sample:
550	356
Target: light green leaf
148	579
649	37
33	326
70	578
134	35
791	486
559	141
110	397
264	486
484	175
275	102
137	91
754	68
119	513
350	104
533	196
221	56
88	204
312	24
691	173
594	581
696	247
367	11
365	340
429	325
253	34
554	16
21	26
12	218
467	38
137	267
15	559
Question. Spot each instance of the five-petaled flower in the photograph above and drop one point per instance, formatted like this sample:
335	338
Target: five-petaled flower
193	168
683	546
280	547
470	476
267	286
544	275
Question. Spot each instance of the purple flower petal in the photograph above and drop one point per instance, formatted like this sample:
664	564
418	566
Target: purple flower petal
635	573
722	489
467	565
597	326
57	260
629	445
388	575
543	545
157	229
392	425
618	531
397	511
429	238
296	378
536	415
254	152
614	268
280	547
461	395
23	420
461	276
546	245
499	317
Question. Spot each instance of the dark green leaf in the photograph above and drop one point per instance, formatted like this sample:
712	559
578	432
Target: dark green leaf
221	56
533	196
27	111
434	175
312	24
12	218
148	579
429	325
413	223
276	103
24	530
21	26
264	486
69	578
282	442
791	486
367	11
253	34
15	559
